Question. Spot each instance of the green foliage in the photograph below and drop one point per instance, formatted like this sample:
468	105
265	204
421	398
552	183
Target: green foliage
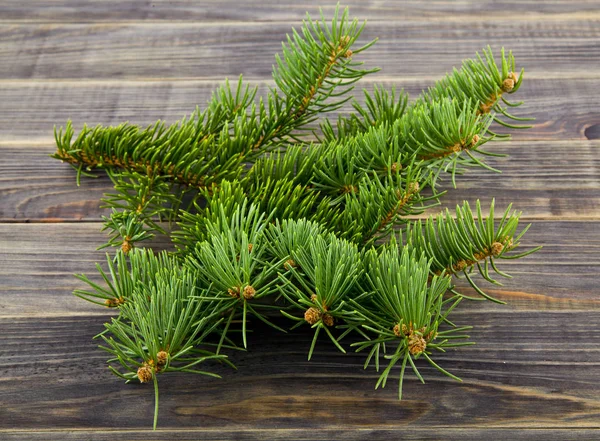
325	271
160	329
277	211
404	307
458	245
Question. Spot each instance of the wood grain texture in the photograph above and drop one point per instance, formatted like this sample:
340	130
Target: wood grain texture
544	179
206	11
514	376
342	434
564	108
38	261
190	50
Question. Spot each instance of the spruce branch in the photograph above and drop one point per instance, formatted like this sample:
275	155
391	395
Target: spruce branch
325	272
231	265
162	329
482	80
403	307
187	151
271	220
315	72
139	203
125	272
458	245
382	107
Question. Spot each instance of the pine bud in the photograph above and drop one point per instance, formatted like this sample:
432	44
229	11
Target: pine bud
327	319
312	315
497	248
249	292
161	359
145	374
459	266
250	246
397	331
475	140
413	188
509	83
126	246
113	303
289	264
416	344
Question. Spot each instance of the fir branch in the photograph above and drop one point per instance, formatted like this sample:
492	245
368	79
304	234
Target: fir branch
458	245
126	271
483	81
326	270
230	264
402	306
161	329
315	64
380	108
139	203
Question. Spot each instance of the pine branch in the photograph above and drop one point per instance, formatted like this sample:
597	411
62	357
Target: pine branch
325	270
458	245
402	306
314	73
161	329
381	108
482	80
230	264
272	222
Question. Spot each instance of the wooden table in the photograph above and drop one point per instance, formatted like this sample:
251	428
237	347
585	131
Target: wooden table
535	371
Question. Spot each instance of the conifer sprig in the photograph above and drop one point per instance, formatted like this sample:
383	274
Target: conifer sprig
271	220
161	329
482	80
325	272
457	245
403	307
231	265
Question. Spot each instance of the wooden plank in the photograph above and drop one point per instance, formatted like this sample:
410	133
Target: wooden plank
194	50
35	187
525	371
205	11
342	434
565	108
37	263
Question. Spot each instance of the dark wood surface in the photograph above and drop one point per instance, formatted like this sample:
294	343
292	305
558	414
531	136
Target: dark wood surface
535	371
